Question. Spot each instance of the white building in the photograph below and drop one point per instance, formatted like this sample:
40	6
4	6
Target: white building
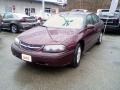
29	7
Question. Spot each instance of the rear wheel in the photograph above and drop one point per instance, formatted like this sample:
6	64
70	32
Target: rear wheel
100	38
14	28
77	56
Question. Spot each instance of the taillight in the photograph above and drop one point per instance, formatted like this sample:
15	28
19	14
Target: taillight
23	20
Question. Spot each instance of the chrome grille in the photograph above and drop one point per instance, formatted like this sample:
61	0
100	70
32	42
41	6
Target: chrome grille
111	21
31	47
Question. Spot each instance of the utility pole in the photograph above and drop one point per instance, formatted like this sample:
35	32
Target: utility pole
43	7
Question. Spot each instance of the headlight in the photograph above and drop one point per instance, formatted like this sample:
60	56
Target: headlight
17	41
54	48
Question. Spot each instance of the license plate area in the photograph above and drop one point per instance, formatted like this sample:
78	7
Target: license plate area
26	58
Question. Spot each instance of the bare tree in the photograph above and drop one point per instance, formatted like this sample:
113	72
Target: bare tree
91	5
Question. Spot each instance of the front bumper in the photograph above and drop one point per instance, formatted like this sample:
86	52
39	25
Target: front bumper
47	59
111	23
112	26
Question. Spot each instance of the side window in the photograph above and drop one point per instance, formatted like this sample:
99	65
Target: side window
89	20
8	16
95	18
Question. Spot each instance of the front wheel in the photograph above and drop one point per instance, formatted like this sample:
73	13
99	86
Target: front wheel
77	56
14	28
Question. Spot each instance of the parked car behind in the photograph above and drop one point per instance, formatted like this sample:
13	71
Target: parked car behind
0	21
61	41
42	17
112	21
16	22
79	10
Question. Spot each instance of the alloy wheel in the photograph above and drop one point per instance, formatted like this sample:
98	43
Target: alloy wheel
78	55
14	28
100	37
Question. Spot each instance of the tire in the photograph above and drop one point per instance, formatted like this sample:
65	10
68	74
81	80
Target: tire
14	28
77	56
119	30
100	38
0	29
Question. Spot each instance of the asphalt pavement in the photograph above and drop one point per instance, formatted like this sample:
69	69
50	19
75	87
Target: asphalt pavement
99	69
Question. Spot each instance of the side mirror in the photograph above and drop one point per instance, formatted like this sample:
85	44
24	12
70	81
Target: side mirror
90	26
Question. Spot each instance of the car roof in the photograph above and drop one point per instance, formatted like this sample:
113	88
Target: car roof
17	14
21	15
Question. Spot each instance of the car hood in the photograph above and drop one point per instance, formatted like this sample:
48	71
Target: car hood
40	35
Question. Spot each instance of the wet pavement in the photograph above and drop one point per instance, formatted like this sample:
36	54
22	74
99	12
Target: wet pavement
99	69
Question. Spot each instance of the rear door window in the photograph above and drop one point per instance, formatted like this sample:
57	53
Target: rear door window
89	20
95	19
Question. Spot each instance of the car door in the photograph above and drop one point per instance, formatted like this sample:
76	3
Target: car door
89	33
97	28
97	25
7	18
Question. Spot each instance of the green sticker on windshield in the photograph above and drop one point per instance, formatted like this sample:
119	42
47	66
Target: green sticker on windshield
67	22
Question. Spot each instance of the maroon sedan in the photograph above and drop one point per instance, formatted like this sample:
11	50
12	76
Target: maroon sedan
61	41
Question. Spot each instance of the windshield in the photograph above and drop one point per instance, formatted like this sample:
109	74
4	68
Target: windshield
65	21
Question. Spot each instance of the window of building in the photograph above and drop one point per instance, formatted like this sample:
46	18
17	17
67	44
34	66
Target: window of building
48	10
53	11
32	10
27	11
